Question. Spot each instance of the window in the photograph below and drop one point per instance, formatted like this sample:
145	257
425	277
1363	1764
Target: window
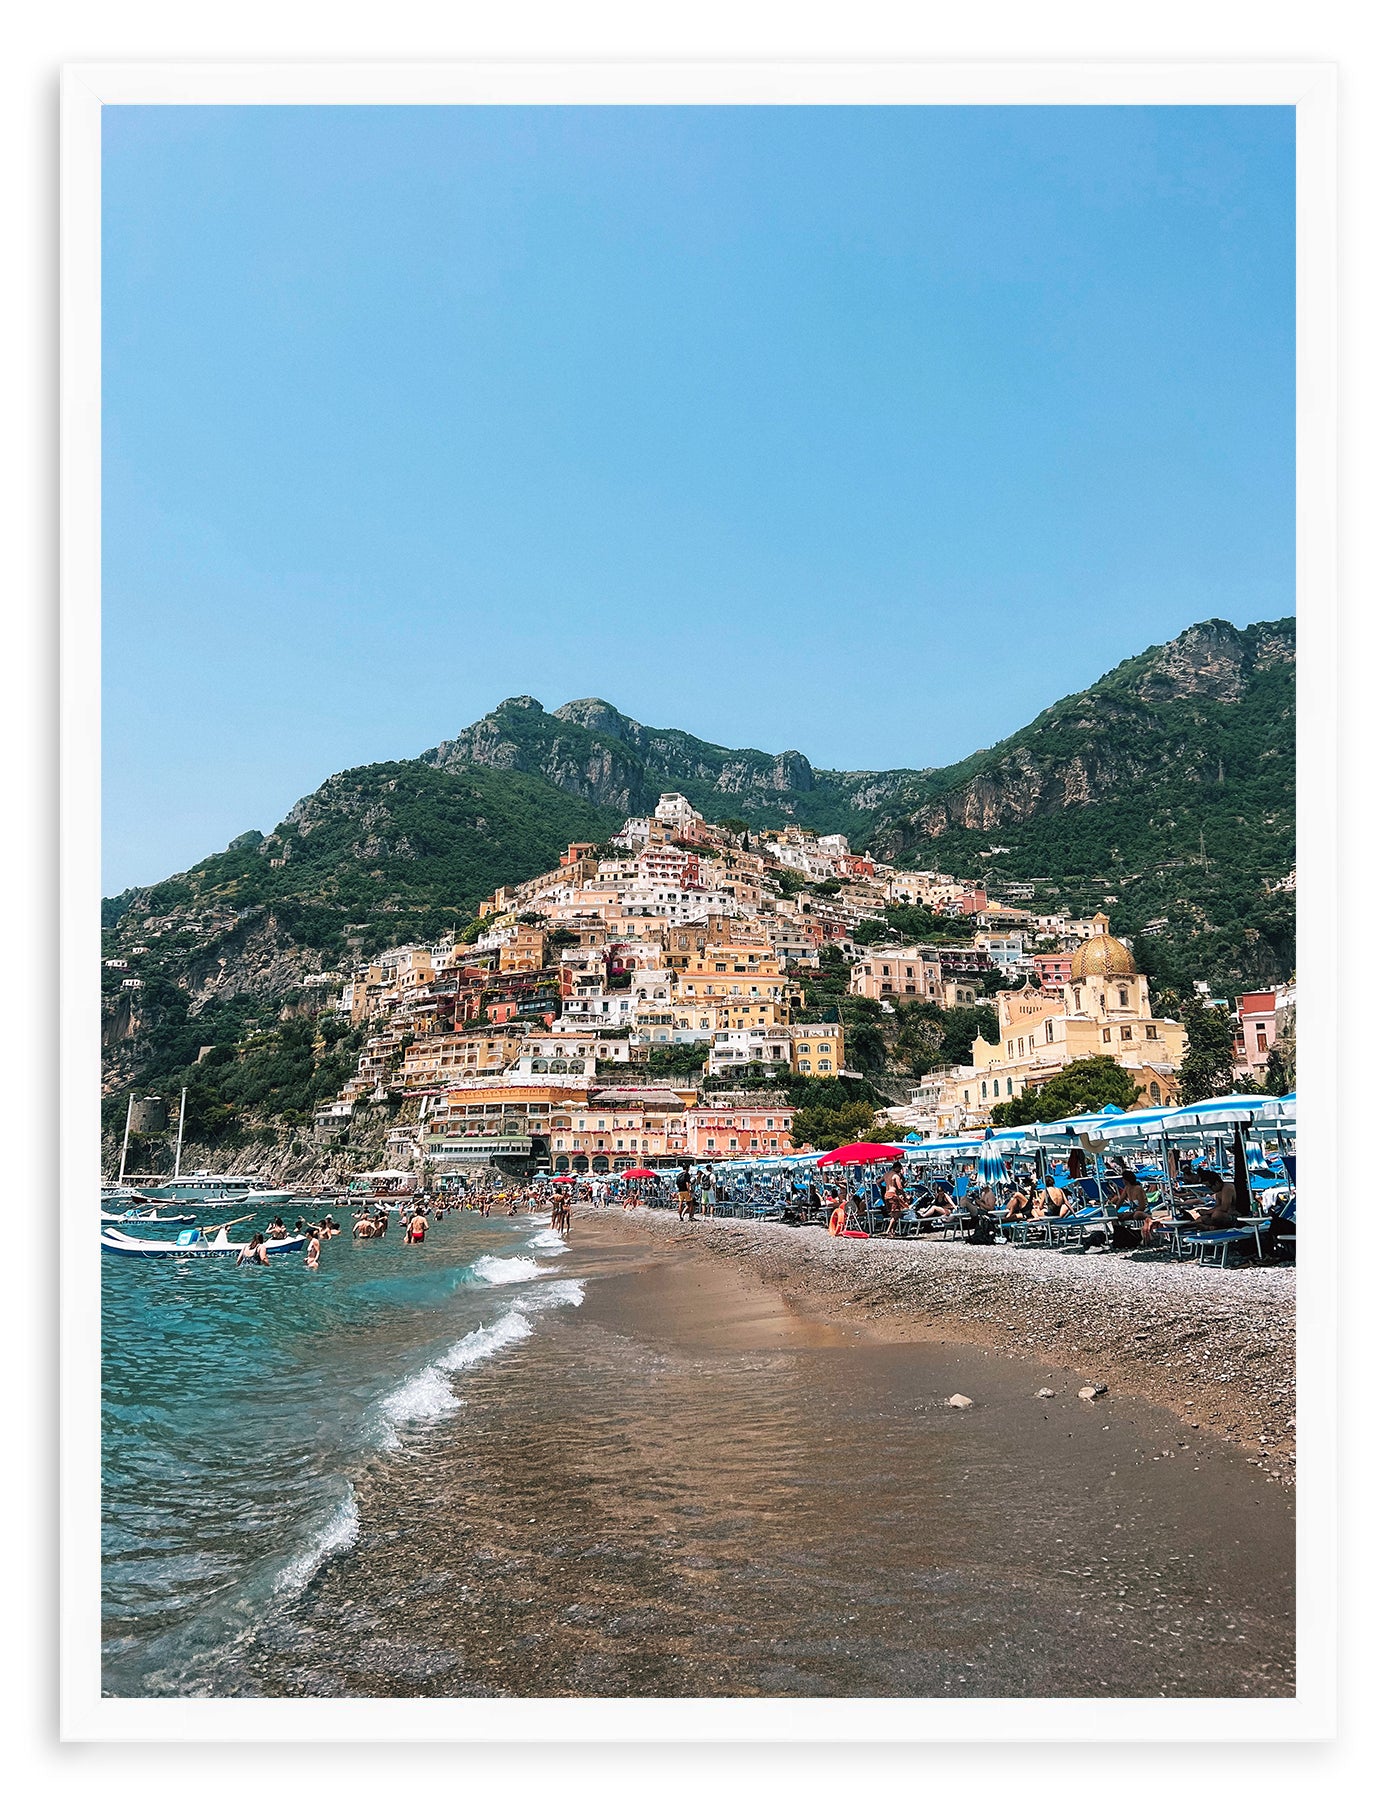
1151	1032
1107	1034
984	1091
1049	1032
1154	1091
1125	1032
1122	997
996	1086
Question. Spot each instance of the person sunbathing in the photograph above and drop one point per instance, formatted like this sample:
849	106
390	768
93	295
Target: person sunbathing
934	1206
1220	1211
1019	1206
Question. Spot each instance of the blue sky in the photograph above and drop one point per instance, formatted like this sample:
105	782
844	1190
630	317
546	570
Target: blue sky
864	431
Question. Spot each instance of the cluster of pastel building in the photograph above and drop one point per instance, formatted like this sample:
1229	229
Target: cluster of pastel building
542	1035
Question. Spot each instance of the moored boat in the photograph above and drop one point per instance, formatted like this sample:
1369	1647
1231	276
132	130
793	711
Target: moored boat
150	1216
190	1244
205	1188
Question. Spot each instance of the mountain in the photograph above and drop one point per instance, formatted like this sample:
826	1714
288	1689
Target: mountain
589	749
1202	711
1164	793
1210	709
376	856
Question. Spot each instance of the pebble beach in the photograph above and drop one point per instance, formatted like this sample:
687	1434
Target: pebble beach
1214	1347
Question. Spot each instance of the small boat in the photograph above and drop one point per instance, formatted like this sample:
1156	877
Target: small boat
112	1193
152	1214
190	1244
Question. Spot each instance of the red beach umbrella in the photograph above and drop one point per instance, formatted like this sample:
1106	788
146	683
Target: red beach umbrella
861	1154
563	1179
627	1175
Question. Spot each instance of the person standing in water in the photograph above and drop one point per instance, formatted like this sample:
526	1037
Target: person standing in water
254	1252
313	1250
417	1228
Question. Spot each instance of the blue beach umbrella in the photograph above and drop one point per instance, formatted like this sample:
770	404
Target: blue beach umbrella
991	1166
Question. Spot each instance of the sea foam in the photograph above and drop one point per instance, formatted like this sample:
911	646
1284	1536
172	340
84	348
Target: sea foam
428	1396
338	1534
565	1294
506	1270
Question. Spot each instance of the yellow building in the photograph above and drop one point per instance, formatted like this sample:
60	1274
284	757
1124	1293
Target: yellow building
1104	1011
525	951
818	1050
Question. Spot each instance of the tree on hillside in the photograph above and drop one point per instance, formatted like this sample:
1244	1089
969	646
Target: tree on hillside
918	1037
865	1045
1208	1067
1082	1087
827	1127
961	1025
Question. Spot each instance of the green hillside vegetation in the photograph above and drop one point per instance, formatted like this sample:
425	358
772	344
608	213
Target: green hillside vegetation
397	850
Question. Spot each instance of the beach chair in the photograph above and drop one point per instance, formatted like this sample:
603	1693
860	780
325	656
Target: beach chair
1213	1242
1285	1233
938	1226
1050	1229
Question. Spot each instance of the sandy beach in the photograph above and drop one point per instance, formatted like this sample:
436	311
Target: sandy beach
714	1478
1214	1347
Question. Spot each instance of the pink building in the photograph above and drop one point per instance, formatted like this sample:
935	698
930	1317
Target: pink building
1257	1029
1052	967
891	975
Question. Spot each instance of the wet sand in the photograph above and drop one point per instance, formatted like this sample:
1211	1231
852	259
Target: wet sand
690	1487
1215	1347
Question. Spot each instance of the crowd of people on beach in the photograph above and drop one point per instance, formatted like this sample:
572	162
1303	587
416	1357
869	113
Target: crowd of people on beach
853	1201
849	1202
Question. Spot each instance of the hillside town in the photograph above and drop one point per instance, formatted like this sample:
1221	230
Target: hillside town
635	1004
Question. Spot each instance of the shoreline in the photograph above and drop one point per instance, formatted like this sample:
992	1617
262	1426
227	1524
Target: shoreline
697	1483
1215	1348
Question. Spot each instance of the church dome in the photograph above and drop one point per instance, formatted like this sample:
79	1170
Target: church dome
1102	955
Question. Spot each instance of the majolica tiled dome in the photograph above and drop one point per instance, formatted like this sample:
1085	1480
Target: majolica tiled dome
1102	955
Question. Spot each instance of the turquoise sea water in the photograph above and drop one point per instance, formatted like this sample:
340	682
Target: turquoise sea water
239	1405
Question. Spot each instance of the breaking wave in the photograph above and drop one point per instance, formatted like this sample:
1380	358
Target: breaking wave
428	1396
506	1270
338	1534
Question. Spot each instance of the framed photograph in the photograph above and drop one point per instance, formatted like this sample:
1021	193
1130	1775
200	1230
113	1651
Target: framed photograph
690	908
